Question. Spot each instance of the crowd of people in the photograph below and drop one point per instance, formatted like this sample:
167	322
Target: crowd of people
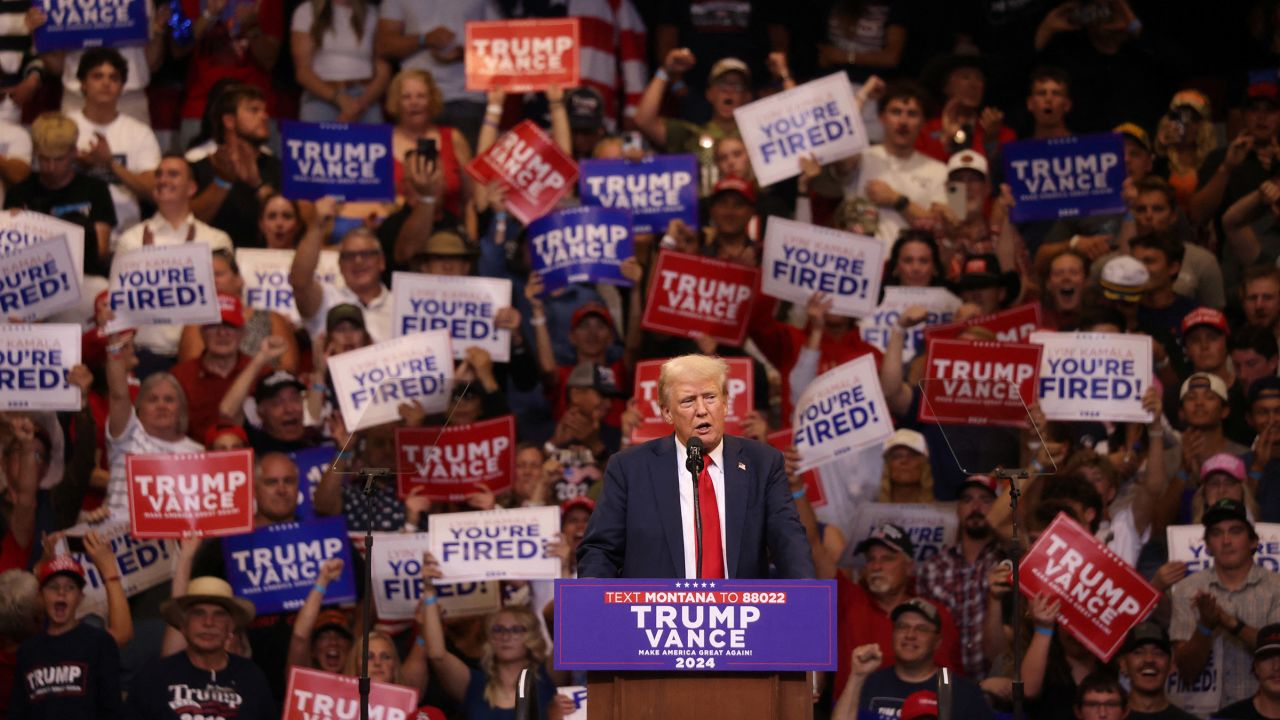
177	141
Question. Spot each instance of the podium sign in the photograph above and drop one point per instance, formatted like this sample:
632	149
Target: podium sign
695	625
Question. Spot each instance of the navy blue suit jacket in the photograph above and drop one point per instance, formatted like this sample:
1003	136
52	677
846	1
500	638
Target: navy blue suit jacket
636	532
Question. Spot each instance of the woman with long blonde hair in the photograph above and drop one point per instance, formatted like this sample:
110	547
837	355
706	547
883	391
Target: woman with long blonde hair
513	641
1184	138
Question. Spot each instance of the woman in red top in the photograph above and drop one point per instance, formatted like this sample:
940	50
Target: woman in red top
413	102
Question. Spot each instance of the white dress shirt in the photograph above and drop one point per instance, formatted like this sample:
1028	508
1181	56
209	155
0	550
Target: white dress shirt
715	465
377	314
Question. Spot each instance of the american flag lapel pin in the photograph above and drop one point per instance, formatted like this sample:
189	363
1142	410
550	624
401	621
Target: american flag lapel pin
742	466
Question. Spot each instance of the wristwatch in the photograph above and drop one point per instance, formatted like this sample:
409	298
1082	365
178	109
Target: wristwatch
901	203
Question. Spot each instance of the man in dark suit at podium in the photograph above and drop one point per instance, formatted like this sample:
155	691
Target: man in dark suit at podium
643	525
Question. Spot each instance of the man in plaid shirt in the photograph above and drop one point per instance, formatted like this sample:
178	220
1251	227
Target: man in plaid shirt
957	577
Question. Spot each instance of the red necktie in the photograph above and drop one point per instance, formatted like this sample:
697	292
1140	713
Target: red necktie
712	551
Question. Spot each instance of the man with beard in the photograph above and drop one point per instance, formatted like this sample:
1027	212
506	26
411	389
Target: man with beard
239	175
1265	704
956	578
885	583
903	183
1260	298
879	691
1146	661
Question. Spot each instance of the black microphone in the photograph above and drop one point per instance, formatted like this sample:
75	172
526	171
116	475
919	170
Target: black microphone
695	461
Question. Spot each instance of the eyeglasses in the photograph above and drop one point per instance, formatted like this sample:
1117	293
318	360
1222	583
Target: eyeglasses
352	255
501	631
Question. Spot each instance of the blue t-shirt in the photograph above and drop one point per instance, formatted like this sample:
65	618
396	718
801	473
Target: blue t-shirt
884	692
475	707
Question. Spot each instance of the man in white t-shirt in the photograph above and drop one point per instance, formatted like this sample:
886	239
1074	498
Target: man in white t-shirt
902	183
419	35
15	155
113	146
140	60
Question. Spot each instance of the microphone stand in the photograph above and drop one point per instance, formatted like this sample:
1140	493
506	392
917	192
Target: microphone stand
1015	555
694	466
368	477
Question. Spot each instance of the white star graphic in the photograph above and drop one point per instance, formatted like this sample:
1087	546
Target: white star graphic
713	584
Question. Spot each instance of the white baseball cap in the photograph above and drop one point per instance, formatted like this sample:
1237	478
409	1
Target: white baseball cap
909	439
968	160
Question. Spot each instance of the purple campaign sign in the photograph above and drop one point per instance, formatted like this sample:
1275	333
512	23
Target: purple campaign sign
348	161
656	190
311	464
276	566
1075	176
743	625
73	24
582	244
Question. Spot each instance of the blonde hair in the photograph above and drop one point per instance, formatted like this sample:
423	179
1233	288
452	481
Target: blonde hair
534	644
54	134
351	668
926	482
435	99
1197	503
692	368
1206	142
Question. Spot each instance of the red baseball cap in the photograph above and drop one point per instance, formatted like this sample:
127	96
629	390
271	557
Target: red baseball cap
232	310
986	482
591	308
581	501
217	430
62	565
919	704
1205	316
731	183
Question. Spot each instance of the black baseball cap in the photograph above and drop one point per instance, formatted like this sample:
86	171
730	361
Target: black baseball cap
585	108
1147	633
274	383
346	312
1264	387
1223	510
1268	642
919	606
890	536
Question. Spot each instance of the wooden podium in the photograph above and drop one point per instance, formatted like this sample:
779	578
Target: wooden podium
701	696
